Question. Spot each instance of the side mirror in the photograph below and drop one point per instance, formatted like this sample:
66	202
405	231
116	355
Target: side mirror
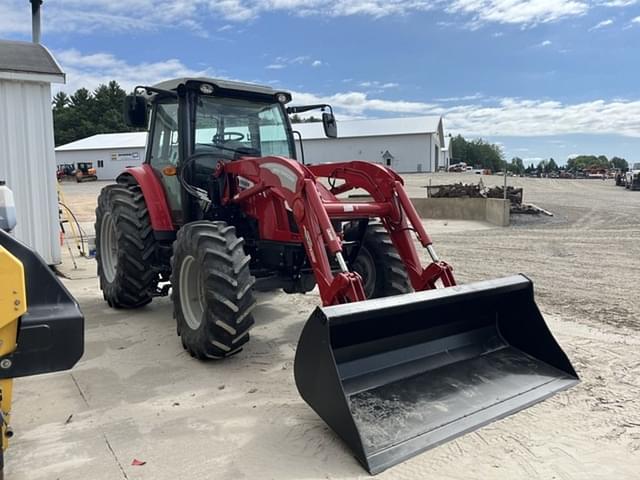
329	124
135	111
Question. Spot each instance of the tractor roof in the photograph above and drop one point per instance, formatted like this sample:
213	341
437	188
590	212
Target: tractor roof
223	84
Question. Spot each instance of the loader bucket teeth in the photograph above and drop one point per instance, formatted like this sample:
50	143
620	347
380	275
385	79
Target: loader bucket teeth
396	376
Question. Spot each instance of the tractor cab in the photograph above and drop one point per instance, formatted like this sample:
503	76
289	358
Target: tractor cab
197	123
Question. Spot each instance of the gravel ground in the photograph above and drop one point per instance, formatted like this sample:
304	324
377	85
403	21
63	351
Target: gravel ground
136	394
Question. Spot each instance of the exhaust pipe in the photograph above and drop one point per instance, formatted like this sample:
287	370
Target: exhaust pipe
35	20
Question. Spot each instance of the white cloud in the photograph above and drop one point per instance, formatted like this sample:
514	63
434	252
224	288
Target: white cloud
358	103
618	3
91	70
546	43
378	85
282	62
489	117
465	98
526	12
518	117
602	24
636	20
196	16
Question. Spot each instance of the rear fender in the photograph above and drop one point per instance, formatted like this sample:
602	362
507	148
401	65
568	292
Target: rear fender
154	195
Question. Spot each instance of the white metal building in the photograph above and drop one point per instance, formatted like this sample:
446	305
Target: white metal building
110	153
446	153
414	144
27	160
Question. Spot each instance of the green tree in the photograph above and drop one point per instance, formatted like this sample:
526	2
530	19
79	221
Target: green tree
582	162
60	101
84	113
295	118
543	166
552	166
617	162
477	153
516	166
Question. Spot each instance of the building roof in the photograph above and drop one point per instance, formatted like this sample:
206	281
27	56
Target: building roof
374	128
107	141
28	58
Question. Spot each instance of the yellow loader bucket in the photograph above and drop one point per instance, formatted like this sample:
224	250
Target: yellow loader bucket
396	376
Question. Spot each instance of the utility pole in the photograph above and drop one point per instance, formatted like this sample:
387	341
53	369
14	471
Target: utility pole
505	180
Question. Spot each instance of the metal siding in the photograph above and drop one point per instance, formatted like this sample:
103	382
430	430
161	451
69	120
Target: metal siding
27	163
408	150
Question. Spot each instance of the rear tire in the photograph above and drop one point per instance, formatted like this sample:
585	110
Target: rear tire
378	263
125	247
211	289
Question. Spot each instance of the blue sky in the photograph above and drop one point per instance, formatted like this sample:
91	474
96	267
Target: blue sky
541	77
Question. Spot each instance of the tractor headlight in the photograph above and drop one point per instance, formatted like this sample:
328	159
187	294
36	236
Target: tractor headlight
206	88
282	97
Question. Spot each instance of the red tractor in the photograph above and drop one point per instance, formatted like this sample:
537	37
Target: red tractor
221	207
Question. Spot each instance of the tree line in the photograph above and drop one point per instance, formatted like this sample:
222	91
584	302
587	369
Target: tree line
481	154
88	113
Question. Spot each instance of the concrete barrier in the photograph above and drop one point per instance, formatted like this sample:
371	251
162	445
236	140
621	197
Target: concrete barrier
493	210
451	208
498	211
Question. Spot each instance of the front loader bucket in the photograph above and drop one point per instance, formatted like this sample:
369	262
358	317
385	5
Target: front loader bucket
50	336
396	376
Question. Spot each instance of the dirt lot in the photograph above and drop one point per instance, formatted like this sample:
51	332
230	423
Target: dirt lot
136	394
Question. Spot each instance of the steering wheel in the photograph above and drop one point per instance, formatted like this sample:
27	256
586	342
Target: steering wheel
229	137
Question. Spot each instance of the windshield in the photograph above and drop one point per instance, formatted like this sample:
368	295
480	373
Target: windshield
237	127
636	166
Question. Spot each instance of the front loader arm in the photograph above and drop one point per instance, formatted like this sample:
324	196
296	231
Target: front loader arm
387	190
314	207
297	187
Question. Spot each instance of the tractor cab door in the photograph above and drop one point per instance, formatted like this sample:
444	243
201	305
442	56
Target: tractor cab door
163	152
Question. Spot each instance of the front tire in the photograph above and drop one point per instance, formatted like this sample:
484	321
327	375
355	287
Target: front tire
211	289
378	263
125	247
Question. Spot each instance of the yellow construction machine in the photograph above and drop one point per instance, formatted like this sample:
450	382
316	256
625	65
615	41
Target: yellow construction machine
41	325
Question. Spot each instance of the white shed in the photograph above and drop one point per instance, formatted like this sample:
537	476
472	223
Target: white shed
27	159
110	153
410	144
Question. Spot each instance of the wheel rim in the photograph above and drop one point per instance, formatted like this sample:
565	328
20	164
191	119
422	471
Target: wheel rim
108	247
191	293
366	268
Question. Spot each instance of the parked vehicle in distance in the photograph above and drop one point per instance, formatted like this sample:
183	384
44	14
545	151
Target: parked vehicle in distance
620	176
632	178
65	170
86	172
